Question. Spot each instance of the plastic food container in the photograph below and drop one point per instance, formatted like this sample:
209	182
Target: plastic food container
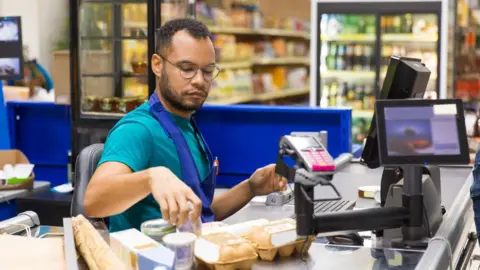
225	251
213	227
157	229
182	244
192	227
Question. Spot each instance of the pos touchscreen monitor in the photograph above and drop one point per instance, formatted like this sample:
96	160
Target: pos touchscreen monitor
405	78
421	132
11	48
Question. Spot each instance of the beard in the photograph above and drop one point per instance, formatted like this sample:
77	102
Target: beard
175	99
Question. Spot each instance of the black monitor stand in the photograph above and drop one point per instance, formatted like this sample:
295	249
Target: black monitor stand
409	215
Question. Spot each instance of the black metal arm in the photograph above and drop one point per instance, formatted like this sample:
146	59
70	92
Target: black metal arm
408	216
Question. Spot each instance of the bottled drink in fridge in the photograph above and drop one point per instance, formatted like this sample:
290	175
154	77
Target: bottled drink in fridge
331	57
358	51
340	65
396	24
349	57
407	23
367	57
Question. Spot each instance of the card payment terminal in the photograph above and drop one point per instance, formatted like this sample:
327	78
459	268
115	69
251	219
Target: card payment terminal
311	152
308	152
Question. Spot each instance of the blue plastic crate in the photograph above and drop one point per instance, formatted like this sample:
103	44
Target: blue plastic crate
41	130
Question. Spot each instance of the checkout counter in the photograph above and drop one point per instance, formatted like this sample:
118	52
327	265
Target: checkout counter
457	227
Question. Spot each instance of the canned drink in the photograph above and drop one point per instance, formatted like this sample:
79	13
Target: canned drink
157	229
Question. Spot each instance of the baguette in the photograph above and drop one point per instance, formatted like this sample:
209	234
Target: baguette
96	252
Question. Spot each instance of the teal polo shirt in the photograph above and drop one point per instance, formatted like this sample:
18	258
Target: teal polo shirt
139	141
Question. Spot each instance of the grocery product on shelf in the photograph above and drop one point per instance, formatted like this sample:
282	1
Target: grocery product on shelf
257	54
358	96
347	24
250	47
409	24
350	57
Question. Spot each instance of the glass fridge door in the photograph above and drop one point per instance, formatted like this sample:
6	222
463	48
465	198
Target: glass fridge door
348	66
412	35
113	54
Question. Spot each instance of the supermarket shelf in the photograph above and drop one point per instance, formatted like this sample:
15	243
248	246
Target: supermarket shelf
235	65
350	37
231	100
103	114
282	61
385	37
282	94
135	24
264	31
261	97
349	74
410	37
266	61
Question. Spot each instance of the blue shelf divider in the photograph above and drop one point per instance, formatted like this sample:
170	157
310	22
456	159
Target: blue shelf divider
243	137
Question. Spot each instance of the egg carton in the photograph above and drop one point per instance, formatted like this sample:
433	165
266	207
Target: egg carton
285	250
235	265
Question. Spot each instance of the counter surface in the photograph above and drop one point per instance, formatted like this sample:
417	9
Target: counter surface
347	182
13	194
333	257
320	256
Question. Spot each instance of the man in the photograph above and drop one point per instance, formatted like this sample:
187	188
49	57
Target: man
155	162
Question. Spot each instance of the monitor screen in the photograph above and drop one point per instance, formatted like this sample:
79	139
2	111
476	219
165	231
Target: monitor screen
421	132
405	78
11	48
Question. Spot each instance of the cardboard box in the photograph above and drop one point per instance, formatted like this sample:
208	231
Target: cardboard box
136	249
15	93
15	157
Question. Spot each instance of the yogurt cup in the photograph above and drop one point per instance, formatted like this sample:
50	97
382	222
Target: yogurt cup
182	244
157	229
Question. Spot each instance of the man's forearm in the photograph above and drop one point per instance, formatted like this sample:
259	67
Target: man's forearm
114	194
226	204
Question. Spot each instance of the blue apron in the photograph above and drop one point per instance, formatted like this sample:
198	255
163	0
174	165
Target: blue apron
204	190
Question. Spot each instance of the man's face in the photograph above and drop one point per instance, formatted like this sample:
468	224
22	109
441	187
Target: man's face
180	61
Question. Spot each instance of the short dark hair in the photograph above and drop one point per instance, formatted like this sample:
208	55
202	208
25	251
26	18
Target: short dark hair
164	34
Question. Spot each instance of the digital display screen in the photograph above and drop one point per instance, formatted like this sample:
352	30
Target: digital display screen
9	29
427	130
11	48
304	142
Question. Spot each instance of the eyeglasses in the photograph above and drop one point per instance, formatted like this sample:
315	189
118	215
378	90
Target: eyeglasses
189	70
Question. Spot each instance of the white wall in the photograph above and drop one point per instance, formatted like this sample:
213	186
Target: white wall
40	29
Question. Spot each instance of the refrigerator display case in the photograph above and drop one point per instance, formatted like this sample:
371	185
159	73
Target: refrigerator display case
110	68
352	42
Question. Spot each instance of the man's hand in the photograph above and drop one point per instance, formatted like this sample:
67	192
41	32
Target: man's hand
265	181
173	196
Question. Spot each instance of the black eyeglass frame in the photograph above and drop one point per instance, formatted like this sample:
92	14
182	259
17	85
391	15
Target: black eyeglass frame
182	71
